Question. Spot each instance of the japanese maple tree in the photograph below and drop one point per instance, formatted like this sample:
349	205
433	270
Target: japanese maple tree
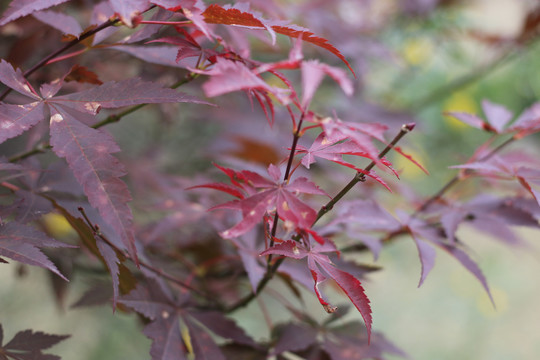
185	248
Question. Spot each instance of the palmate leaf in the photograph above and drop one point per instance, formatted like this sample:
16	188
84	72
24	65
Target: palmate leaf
28	345
334	151
420	231
122	93
508	168
20	8
204	347
14	79
22	242
317	260
16	119
497	117
151	302
87	152
312	74
228	76
272	195
241	16
169	342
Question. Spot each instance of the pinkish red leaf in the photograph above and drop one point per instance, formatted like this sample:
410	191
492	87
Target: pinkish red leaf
528	122
228	76
20	8
216	14
306	35
274	196
497	115
354	290
312	74
287	248
65	23
469	119
221	187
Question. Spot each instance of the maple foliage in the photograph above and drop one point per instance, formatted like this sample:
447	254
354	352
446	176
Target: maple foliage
184	246
28	344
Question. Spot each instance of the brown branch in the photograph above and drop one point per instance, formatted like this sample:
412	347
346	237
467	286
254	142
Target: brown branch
360	176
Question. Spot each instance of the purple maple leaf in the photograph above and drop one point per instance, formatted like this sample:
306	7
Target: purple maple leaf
20	8
165	314
86	150
509	168
28	344
65	23
22	242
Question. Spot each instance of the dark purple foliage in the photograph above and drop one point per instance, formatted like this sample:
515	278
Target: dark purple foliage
184	249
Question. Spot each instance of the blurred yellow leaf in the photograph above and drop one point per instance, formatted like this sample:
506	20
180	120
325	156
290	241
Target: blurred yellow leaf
417	51
460	101
57	225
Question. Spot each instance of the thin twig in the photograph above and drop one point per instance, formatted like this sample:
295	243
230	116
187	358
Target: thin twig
358	177
43	147
286	177
159	272
67	46
457	178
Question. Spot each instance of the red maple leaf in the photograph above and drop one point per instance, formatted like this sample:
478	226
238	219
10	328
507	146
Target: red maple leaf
266	195
242	16
321	267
